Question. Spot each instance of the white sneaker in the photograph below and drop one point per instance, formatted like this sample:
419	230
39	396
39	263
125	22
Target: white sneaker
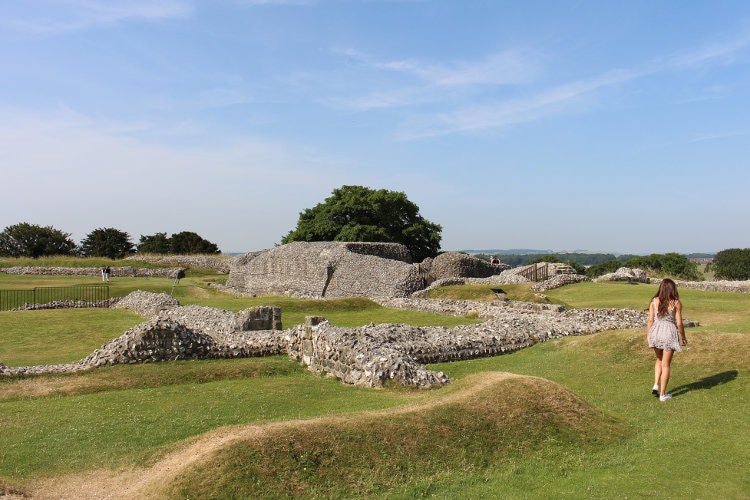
655	390
665	397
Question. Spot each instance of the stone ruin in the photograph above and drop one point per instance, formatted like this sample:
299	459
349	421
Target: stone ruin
348	269
626	274
368	356
176	332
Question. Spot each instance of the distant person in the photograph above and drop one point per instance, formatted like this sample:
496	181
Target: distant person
107	273
494	260
104	273
664	325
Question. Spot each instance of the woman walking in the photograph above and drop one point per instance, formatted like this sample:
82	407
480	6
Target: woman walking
664	325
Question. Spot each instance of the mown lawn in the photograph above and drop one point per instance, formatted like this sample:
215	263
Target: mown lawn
694	446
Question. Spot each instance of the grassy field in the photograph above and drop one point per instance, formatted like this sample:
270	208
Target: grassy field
571	417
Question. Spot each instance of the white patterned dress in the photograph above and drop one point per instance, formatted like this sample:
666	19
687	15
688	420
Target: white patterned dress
663	333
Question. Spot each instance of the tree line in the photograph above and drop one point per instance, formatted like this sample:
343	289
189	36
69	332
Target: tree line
31	240
729	264
354	213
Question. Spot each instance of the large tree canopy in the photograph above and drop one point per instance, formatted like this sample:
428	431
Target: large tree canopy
107	242
732	264
30	240
357	213
154	243
183	243
188	242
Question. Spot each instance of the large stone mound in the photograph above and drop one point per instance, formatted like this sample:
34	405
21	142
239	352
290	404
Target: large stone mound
328	269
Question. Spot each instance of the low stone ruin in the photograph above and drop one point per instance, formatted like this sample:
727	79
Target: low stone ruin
121	271
626	274
147	304
216	262
557	281
371	355
367	356
175	332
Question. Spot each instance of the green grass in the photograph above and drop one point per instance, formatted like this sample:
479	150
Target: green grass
593	431
122	425
53	336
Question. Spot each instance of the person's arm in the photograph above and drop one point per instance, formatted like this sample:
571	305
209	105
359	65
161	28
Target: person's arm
678	320
650	316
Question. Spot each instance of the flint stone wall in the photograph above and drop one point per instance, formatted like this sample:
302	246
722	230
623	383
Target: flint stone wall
177	333
559	280
147	304
367	356
123	271
626	274
371	355
327	269
713	286
215	262
458	265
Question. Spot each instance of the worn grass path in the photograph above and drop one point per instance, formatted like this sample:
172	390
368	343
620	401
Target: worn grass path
149	482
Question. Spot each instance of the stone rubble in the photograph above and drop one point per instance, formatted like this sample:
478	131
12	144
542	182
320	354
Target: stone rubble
175	332
68	304
626	274
215	262
367	356
122	271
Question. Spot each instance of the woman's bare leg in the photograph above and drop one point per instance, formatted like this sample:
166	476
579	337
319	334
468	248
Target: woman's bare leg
666	359
657	365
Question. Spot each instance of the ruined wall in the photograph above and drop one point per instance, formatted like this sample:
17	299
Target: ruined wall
327	269
122	271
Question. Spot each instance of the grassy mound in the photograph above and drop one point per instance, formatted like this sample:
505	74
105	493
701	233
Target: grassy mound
492	419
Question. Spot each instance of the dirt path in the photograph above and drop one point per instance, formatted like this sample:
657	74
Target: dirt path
146	482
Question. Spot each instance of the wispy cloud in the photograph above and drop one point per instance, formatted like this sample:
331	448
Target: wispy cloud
715	53
510	112
505	112
55	17
509	67
417	82
730	134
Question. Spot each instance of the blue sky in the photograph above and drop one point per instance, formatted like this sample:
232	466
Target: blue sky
562	125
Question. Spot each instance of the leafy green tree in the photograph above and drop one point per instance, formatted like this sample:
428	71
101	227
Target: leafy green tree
31	240
187	242
357	213
732	264
607	267
155	243
669	264
107	242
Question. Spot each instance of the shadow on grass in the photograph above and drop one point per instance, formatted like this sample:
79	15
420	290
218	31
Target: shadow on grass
706	382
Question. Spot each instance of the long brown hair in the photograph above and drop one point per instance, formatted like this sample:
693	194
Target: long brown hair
666	294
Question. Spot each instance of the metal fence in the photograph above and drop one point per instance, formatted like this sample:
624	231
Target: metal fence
89	295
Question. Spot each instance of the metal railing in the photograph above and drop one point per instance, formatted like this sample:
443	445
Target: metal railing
89	295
